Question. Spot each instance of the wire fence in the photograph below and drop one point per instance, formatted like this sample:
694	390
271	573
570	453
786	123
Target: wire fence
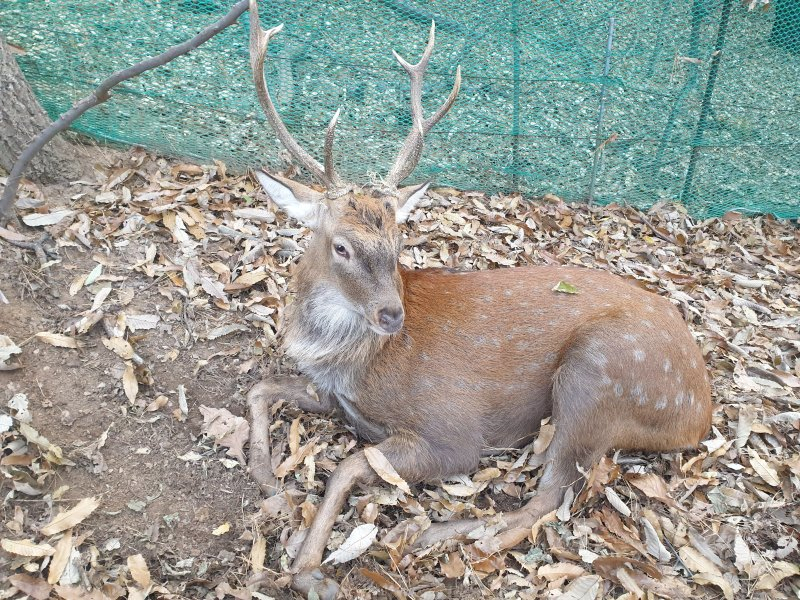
629	102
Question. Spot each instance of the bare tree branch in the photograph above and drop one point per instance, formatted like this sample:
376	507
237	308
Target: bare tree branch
101	94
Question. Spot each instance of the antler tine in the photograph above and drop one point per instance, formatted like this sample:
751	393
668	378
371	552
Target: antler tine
410	153
330	173
259	41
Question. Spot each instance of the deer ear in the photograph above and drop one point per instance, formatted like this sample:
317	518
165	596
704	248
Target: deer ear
297	200
408	197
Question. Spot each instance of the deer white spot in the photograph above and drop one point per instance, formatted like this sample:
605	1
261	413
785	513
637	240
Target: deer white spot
667	366
637	393
647	323
507	293
691	398
605	380
650	308
693	363
638	355
661	404
550	358
618	390
629	337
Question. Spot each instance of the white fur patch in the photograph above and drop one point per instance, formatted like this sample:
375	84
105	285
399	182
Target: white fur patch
305	212
329	340
402	213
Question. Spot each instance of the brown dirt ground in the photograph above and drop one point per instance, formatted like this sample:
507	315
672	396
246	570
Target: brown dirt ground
75	398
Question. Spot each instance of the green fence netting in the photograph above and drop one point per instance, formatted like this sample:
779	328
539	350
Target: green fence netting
692	100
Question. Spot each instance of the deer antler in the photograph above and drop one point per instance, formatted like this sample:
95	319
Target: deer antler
259	40
411	151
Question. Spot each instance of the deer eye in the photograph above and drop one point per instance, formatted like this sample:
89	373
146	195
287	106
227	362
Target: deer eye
341	250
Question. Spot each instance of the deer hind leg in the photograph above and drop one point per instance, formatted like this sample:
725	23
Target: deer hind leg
259	400
577	399
581	438
414	460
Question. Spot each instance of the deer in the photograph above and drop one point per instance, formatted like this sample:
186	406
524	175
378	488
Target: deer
439	367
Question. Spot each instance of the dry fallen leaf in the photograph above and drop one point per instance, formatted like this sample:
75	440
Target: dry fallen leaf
34	587
227	429
453	567
71	517
222	529
7	349
41	220
384	468
617	502
60	558
763	469
120	347
717	580
384	582
559	570
258	553
653	543
585	587
139	571
779	570
141	322
57	339
545	436
26	548
653	486
130	383
358	542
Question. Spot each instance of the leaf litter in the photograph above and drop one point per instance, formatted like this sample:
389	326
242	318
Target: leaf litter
720	520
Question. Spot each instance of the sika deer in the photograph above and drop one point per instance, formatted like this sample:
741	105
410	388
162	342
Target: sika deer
437	367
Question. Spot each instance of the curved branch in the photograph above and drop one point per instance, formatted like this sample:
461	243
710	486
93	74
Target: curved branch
102	93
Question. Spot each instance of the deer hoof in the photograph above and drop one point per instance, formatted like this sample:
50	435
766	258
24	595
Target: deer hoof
315	581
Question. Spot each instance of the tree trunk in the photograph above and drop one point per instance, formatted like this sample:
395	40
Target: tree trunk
21	120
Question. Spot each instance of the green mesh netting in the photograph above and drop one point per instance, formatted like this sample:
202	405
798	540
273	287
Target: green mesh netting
700	103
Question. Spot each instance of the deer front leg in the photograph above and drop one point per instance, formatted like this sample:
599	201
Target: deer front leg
308	576
413	459
259	400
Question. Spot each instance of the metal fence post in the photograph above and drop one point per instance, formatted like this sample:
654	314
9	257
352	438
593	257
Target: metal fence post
515	129
599	141
705	107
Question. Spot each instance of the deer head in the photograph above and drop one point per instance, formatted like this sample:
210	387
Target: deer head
356	244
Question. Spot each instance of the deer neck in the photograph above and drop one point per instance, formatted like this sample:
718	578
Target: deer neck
328	340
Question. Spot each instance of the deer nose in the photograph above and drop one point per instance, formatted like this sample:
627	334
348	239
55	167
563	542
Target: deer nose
390	319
